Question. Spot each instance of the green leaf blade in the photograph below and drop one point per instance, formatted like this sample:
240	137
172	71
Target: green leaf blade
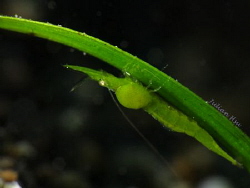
155	106
228	135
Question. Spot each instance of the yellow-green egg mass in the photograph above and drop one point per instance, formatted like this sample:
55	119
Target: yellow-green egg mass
133	96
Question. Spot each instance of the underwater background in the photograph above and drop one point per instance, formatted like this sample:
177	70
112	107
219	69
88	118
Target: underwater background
53	137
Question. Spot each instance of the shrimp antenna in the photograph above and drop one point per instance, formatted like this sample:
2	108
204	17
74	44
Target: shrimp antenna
149	144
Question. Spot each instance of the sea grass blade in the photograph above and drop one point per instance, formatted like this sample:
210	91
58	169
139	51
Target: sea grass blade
226	133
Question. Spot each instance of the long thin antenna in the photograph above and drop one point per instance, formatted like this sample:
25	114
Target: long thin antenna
150	145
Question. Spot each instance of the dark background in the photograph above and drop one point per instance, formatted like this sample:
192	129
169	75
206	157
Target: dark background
56	138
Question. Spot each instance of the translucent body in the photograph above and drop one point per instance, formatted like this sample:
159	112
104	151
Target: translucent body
133	96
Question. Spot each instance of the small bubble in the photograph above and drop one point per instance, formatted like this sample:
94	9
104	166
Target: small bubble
102	83
84	53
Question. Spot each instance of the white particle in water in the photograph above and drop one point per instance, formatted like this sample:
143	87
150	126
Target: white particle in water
127	74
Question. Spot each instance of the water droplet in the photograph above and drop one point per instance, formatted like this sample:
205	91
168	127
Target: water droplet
102	83
84	53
